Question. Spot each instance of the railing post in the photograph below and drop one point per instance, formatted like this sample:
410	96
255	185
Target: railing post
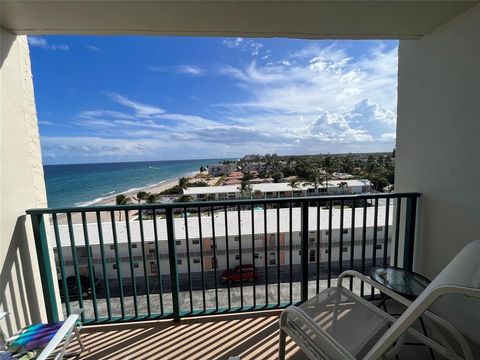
43	256
172	256
304	245
409	240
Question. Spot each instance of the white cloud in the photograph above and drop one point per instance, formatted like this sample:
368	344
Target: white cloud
191	70
254	48
141	110
93	48
41	42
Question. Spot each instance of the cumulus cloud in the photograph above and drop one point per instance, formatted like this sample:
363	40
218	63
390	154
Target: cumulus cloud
38	41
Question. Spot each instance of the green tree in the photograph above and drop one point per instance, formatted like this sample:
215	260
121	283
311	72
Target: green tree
342	185
122	199
183	182
328	165
257	194
184	198
294	184
209	197
315	178
141	196
152	198
245	189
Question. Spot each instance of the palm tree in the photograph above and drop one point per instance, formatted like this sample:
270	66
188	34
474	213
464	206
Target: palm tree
294	184
315	179
141	195
121	199
184	198
342	185
257	194
328	165
209	197
152	198
183	182
245	188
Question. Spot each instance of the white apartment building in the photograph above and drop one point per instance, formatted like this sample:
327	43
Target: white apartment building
212	241
275	190
221	169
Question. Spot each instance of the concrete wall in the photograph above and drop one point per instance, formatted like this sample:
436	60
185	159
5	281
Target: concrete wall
21	185
438	135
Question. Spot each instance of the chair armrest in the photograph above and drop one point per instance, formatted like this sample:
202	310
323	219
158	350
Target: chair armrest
374	284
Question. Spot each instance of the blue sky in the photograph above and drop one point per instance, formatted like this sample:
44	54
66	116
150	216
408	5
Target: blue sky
129	98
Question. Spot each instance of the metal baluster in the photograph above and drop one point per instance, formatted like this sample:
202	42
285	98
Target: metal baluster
290	253
214	240
157	255
329	264
130	259
374	250
352	244
278	254
397	230
340	250
385	240
117	263
75	262
201	257
189	270
265	247
61	263
228	257
240	254
318	248
144	258
91	274
253	257
104	266
364	242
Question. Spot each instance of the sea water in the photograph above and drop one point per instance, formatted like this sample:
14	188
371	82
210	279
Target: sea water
88	184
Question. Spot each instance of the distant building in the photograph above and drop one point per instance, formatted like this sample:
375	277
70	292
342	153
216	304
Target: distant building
212	245
341	176
275	190
221	169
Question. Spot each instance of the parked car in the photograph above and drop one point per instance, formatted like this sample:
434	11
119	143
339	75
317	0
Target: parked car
72	288
247	272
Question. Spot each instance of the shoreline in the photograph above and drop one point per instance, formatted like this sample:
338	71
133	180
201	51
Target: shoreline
154	188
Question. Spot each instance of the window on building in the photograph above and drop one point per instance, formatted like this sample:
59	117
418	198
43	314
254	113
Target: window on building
178	242
214	263
258	237
327	232
326	251
114	266
344	249
379	228
237	238
151	250
256	256
237	257
112	247
312	255
196	261
272	261
153	267
345	231
195	242
179	261
378	247
312	239
134	246
135	265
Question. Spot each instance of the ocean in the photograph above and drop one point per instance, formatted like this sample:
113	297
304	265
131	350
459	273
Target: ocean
87	184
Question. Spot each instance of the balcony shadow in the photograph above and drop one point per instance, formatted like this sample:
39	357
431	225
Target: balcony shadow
249	336
16	276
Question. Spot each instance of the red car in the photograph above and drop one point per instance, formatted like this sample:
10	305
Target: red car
248	273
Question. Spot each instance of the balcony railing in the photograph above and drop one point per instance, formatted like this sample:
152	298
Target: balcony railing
152	261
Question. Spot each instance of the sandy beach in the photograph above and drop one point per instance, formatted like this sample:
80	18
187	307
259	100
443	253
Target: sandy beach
106	216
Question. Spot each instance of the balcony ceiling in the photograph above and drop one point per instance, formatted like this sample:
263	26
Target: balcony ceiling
300	19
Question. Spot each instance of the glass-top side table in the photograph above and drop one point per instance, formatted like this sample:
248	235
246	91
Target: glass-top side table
405	283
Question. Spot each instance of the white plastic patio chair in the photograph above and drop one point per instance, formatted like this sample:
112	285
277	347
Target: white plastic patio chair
337	324
62	333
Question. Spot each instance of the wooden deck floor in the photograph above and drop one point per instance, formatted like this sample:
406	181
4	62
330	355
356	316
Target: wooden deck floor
249	336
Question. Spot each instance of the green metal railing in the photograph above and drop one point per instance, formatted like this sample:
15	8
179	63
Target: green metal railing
135	268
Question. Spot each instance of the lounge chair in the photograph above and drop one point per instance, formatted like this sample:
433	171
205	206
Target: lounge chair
338	324
41	341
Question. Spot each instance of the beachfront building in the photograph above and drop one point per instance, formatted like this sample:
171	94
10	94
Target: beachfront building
276	190
208	249
221	169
